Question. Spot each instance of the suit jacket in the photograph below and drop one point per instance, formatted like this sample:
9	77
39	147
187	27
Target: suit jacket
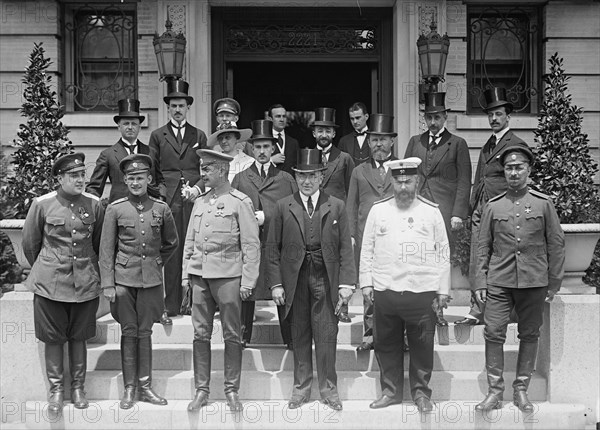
176	162
286	248
349	144
489	176
107	166
336	180
446	177
291	154
264	195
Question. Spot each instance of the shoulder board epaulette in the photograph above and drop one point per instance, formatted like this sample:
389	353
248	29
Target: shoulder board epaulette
498	197
121	200
46	196
383	200
154	199
538	194
429	202
91	196
238	194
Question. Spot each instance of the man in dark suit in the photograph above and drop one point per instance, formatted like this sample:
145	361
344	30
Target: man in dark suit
265	184
176	144
107	165
336	178
355	143
311	271
490	181
285	151
445	170
370	182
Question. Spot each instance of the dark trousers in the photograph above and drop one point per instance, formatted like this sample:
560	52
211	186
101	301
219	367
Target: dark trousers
393	313
528	304
58	322
172	270
136	309
248	307
313	317
207	295
477	307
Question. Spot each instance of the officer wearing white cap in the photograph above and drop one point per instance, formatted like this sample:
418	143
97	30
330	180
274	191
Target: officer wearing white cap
61	237
221	260
139	237
520	259
405	267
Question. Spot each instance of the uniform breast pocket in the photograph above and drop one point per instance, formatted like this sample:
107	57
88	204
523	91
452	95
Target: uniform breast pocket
125	224
225	223
55	224
197	223
88	223
534	228
501	220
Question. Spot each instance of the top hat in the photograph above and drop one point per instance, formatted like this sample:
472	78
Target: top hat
227	105
496	97
381	124
129	108
512	151
228	127
208	156
324	117
309	160
434	103
135	163
178	89
262	129
69	163
407	167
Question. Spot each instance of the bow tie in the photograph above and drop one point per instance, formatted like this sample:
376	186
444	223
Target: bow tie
356	133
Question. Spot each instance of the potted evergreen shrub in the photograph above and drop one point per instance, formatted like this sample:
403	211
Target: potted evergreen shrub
39	142
565	170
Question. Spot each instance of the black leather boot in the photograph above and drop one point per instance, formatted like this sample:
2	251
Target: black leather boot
525	366
494	363
202	356
233	366
55	372
145	373
77	367
129	365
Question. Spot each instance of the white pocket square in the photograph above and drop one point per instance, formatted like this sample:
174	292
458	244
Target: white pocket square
334	221
196	145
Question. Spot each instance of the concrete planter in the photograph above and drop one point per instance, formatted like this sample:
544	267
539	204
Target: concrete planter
580	241
14	229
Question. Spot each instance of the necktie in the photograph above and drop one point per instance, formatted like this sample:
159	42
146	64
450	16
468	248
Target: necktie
381	170
280	141
263	174
326	156
179	135
432	141
492	142
310	206
131	148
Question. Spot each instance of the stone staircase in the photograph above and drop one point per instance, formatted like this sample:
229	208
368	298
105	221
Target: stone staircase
458	384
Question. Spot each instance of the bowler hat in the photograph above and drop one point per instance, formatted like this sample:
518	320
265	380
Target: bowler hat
262	129
309	160
178	89
69	163
129	108
135	163
496	97
382	124
434	103
324	117
502	157
227	105
229	127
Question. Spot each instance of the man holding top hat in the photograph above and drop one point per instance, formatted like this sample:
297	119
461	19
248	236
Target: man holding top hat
107	165
176	144
265	184
445	170
311	271
370	182
489	182
220	263
338	164
520	259
139	237
61	239
405	267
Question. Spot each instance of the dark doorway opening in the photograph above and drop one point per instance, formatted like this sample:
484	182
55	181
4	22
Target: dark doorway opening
302	87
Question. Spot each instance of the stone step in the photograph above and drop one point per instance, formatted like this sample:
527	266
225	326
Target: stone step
265	385
274	358
274	414
266	329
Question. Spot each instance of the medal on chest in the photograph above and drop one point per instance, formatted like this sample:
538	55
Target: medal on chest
82	213
220	208
527	208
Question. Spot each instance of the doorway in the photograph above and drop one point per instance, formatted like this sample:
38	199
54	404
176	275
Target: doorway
301	87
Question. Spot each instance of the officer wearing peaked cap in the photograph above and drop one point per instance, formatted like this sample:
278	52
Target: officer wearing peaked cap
520	258
61	238
405	268
139	237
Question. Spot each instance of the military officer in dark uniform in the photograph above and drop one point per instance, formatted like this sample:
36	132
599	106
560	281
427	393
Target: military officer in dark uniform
520	258
139	237
61	237
221	259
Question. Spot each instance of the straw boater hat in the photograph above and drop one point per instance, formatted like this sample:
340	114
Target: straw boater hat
309	160
324	117
135	163
69	163
262	129
496	97
227	105
129	108
407	167
243	134
178	89
382	124
434	103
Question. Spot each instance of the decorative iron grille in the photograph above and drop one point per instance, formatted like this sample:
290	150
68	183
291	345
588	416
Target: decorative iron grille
504	49
101	66
300	39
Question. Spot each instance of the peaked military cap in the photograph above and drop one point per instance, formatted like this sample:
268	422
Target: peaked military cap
135	163
69	163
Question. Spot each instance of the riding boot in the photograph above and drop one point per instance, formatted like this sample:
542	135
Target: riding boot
145	373
494	363
129	365
202	356
77	367
55	372
525	366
